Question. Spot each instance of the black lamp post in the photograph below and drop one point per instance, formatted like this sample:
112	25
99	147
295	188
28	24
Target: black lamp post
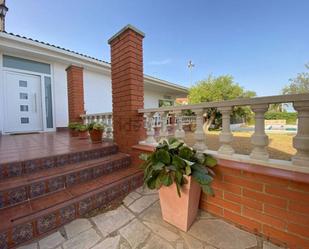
3	11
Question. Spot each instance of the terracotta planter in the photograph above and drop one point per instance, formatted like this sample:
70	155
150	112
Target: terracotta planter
83	134
180	211
74	133
96	136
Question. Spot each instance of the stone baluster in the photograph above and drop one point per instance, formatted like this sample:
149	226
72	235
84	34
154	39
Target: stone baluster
199	134
226	137
149	129
109	127
95	118
163	130
100	118
259	139
179	133
301	140
84	118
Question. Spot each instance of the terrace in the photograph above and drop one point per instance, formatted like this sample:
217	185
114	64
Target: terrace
260	201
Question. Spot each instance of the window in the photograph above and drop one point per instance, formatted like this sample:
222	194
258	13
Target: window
24	64
23	83
48	102
23	95
24	120
24	108
165	102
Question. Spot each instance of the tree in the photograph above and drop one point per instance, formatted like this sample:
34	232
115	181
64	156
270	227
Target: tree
300	84
218	89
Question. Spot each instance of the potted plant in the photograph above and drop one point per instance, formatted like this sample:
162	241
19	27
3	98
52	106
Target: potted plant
96	132
73	127
179	172
82	131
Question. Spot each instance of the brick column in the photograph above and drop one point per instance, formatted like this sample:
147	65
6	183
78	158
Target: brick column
75	93
127	87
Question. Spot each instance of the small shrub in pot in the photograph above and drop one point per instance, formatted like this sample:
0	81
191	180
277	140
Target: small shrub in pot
179	172
73	127
82	131
96	131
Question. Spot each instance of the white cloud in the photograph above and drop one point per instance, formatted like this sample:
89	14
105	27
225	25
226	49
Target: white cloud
160	62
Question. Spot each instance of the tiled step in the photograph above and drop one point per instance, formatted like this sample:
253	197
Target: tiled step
28	220
38	163
19	189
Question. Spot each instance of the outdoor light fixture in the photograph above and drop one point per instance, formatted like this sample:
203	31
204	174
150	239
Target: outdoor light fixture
3	9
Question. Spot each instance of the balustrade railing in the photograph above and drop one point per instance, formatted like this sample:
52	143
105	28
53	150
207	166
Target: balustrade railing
161	118
103	118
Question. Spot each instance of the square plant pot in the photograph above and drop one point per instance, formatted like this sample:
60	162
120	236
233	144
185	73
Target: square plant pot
180	211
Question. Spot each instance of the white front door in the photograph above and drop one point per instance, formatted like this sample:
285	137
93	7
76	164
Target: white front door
23	102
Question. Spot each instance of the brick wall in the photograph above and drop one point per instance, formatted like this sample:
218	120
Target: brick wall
272	203
75	86
127	87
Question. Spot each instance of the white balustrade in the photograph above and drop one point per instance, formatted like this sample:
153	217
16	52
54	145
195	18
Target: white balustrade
103	118
259	139
149	125
199	134
171	118
164	122
226	137
301	140
179	132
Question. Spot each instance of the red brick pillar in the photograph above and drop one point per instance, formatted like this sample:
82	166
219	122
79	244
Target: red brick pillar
75	93
127	87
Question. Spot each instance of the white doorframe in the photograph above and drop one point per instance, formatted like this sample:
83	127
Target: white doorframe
43	96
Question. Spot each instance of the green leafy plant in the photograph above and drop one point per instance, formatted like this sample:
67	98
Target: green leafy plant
82	128
73	126
96	126
172	160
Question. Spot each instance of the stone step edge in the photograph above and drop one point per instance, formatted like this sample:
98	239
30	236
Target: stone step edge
63	213
19	168
49	184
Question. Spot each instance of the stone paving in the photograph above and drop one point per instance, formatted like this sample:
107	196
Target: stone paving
137	224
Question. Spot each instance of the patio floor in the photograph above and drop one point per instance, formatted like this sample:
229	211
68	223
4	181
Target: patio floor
30	146
138	224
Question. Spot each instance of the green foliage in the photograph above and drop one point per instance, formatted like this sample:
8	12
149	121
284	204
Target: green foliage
73	126
290	117
82	127
300	84
171	161
96	126
218	89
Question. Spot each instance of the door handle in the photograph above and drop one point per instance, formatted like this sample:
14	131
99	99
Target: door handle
35	103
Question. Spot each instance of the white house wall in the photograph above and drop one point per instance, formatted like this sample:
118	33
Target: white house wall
97	92
60	95
1	95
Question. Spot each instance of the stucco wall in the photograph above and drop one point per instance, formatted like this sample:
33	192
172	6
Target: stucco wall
98	92
151	98
60	95
1	96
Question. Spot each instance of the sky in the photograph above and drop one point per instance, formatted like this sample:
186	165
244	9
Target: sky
261	43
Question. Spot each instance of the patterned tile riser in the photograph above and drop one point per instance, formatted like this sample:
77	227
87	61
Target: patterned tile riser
41	188
22	233
46	223
30	166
